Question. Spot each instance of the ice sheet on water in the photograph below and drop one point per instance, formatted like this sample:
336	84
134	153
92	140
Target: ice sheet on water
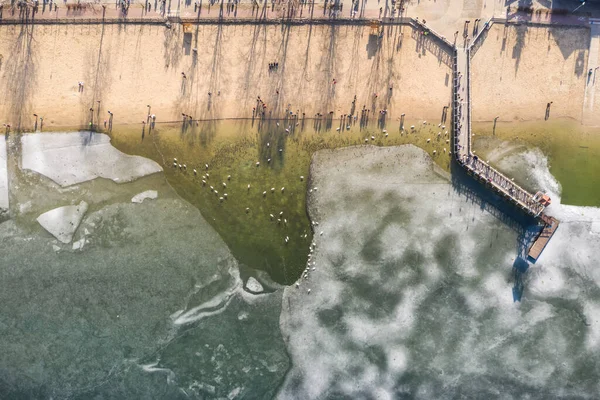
3	175
414	292
62	222
75	157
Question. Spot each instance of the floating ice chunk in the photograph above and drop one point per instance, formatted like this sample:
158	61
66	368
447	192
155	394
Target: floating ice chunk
62	222
253	285
55	247
78	245
148	194
71	158
3	175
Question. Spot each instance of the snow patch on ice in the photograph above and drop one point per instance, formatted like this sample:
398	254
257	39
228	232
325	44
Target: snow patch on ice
75	157
62	222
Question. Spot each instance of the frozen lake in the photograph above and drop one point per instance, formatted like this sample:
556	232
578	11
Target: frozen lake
412	278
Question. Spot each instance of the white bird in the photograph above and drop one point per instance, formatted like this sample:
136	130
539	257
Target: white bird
443	126
195	172
212	188
282	189
174	159
315	188
278	220
217	192
385	130
440	124
424	122
281	213
203	182
264	194
287	239
247	210
321	233
228	177
386	135
308	291
285	221
257	163
372	137
444	149
301	178
206	166
268	160
428	140
337	129
272	190
268	144
180	166
272	216
280	150
207	176
278	124
297	285
175	164
412	127
434	152
287	130
348	127
225	195
220	198
248	186
224	185
366	140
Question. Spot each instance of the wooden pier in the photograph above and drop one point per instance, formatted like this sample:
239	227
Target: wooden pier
530	204
550	226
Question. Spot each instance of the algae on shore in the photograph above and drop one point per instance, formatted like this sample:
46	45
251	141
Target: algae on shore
232	149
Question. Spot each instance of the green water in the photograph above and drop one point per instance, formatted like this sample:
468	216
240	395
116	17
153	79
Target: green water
232	148
572	152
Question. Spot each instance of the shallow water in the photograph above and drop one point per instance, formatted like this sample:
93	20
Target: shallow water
572	152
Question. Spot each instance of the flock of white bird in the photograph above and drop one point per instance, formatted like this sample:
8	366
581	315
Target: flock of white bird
281	219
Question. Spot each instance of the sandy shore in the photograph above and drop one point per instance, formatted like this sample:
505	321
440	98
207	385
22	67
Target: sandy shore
126	68
518	70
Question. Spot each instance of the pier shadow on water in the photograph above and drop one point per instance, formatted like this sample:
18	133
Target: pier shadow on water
526	227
